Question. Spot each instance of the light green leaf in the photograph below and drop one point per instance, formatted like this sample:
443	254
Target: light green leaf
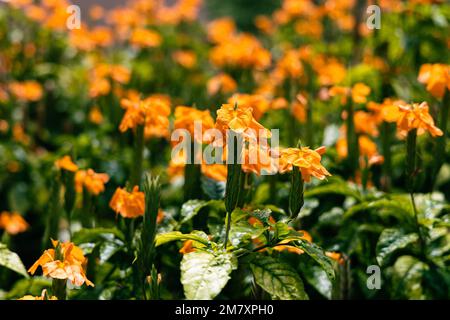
204	274
192	207
11	260
390	241
279	279
407	278
318	278
318	255
341	188
177	235
96	234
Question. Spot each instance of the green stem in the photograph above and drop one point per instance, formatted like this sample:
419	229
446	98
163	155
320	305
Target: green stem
352	140
441	141
138	157
387	164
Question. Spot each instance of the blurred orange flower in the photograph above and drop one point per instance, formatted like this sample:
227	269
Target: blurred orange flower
128	204
95	115
26	91
185	58
358	92
242	50
66	164
92	181
221	83
216	172
436	77
145	38
185	117
221	30
72	266
151	112
13	223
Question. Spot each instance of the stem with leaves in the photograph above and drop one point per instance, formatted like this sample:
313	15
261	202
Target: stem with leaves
233	187
411	171
138	156
152	190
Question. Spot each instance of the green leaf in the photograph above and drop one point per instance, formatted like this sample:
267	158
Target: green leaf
11	260
177	235
407	278
395	208
204	274
392	240
279	279
318	255
192	207
96	234
318	278
340	187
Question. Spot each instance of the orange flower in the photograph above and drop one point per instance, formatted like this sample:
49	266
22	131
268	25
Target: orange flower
414	116
290	65
299	107
329	70
99	87
13	223
186	116
365	123
436	77
176	166
386	111
257	102
238	119
222	83
96	12
259	159
360	92
26	91
19	134
306	159
66	164
242	50
187	247
221	30
336	256
145	38
216	172
95	115
185	58
264	24
128	204
367	149
284	244
92	181
120	73
152	112
72	265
